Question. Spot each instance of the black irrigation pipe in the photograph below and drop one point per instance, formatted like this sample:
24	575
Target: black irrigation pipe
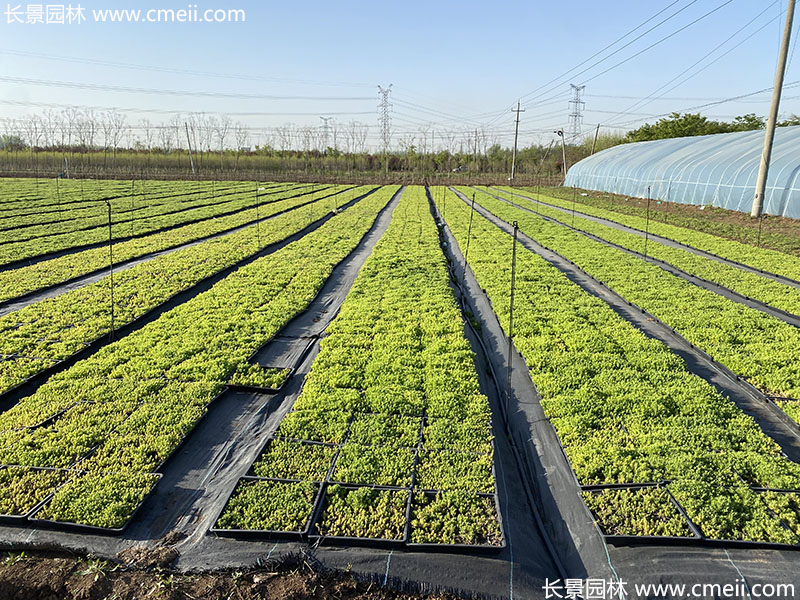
136	260
31	384
529	493
789	427
711	286
25	262
705	253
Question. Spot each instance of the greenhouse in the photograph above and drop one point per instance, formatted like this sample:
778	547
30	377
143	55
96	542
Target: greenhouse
720	170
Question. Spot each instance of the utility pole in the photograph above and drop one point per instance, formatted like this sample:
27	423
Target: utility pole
596	134
560	133
385	123
189	141
516	136
763	171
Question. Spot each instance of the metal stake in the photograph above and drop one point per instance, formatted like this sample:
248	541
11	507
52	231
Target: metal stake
647	223
469	231
511	317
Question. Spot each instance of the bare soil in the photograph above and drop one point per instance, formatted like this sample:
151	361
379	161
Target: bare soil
139	574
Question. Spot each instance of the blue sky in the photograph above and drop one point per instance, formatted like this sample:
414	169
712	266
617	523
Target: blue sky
454	66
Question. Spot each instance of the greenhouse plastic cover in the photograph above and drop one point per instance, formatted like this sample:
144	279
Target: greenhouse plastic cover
720	170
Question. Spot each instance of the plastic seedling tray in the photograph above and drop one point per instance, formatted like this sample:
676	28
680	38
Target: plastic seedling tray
251	471
7	519
263	390
89	529
360	541
431	490
267	534
624	539
411	479
758	545
462	548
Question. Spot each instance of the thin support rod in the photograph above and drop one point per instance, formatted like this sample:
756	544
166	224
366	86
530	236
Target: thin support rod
647	223
469	230
511	319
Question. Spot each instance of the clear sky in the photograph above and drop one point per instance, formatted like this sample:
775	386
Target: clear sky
454	66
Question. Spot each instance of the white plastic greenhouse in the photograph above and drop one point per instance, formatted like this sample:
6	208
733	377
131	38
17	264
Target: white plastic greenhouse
720	170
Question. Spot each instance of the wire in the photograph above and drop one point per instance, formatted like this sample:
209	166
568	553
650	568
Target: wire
177	112
614	43
665	38
599	52
653	45
114	88
105	63
642	101
793	84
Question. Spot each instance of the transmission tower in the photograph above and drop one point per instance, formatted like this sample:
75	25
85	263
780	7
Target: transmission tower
576	106
384	120
326	130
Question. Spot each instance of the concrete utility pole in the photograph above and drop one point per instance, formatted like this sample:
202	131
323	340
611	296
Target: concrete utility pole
516	135
763	171
596	134
560	133
189	141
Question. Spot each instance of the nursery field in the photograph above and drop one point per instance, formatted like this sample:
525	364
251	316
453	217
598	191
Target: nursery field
130	310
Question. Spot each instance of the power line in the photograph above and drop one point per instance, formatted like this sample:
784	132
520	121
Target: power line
136	90
651	46
641	102
121	65
596	54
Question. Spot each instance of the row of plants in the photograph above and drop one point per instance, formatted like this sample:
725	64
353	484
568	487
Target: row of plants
761	348
36	336
125	410
132	221
24	196
13	251
83	216
746	283
625	408
749	254
390	418
30	278
79	213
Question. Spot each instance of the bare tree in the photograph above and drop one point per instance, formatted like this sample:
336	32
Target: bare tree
86	129
148	133
358	133
32	128
242	135
285	135
50	123
69	125
118	127
306	135
221	129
